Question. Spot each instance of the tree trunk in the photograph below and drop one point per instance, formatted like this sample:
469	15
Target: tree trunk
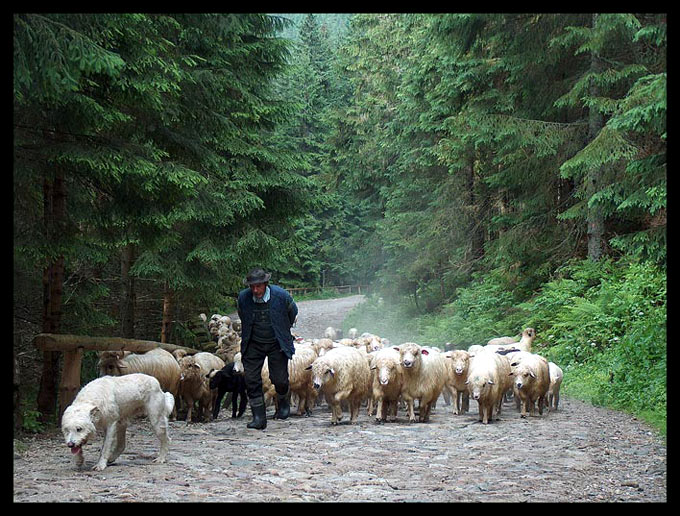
595	123
166	325
54	216
128	294
476	230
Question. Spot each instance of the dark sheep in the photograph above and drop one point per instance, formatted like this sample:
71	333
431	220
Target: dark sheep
226	380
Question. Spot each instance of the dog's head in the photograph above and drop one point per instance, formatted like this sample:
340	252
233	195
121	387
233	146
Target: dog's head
77	425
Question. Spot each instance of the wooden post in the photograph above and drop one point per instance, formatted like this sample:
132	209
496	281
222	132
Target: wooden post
70	378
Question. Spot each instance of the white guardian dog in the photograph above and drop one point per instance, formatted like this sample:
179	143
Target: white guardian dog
107	404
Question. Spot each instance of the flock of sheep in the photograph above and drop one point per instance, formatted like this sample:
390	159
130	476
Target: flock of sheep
351	371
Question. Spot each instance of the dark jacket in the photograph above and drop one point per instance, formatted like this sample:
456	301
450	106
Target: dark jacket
282	310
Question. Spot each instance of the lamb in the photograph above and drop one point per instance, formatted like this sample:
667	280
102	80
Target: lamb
388	381
457	365
531	381
528	336
342	374
194	384
424	378
159	363
556	376
488	379
229	380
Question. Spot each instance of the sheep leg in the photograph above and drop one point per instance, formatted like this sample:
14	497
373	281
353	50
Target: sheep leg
380	411
411	411
354	406
457	399
394	406
190	409
336	412
218	403
525	409
485	409
424	414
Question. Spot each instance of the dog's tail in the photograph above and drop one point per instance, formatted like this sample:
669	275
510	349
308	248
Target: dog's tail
169	403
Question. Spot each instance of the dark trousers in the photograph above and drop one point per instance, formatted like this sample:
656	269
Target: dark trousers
253	359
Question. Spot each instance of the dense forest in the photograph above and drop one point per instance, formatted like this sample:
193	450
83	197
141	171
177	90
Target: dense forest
482	172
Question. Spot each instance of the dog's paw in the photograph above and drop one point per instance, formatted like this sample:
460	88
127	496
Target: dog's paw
99	467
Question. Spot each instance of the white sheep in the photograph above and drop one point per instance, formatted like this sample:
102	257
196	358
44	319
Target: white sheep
194	382
342	374
488	379
332	333
424	378
353	333
556	376
531	375
322	345
524	344
179	353
388	380
159	363
300	378
457	367
474	349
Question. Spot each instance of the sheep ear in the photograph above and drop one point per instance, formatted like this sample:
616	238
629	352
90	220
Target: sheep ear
373	368
396	348
511	373
121	365
308	368
424	352
467	382
490	382
532	374
332	372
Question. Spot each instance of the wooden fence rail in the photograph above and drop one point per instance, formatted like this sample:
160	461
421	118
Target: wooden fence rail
341	289
73	346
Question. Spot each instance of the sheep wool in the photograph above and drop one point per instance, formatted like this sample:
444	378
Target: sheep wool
194	384
388	380
488	379
424	378
300	378
342	374
157	362
531	382
556	376
457	366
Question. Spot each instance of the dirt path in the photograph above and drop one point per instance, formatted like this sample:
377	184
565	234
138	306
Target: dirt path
579	453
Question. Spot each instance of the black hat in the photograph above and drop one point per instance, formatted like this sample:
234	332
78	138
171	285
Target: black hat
257	275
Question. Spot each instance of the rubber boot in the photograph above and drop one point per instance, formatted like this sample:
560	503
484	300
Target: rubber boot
259	414
283	403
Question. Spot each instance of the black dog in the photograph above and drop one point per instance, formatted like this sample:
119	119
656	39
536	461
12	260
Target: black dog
226	380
